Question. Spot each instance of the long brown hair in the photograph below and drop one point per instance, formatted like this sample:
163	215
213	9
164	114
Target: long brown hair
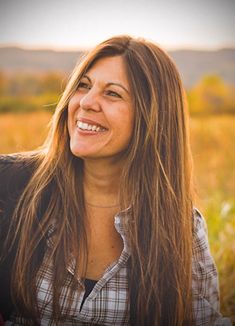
156	182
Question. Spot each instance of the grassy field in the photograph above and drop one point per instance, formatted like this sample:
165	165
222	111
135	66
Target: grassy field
213	145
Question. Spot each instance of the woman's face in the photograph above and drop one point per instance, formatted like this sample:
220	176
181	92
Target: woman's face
100	113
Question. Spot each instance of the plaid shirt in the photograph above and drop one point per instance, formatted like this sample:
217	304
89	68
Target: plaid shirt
108	302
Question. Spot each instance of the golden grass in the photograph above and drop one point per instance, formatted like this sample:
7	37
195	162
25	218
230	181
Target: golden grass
213	145
22	131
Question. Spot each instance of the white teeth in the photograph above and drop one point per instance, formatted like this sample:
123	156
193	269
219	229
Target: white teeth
86	126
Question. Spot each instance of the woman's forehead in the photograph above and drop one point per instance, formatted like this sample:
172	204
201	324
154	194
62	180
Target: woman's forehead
110	69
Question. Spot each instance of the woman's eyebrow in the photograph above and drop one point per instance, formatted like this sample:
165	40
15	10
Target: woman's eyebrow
85	76
109	84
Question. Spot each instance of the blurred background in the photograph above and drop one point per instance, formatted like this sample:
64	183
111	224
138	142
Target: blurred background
41	41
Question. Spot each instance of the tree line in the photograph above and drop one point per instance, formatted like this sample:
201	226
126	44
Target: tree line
25	92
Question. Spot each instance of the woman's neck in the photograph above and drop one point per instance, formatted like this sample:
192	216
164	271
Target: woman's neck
101	183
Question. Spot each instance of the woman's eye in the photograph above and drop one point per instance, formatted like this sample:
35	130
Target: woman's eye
84	85
114	94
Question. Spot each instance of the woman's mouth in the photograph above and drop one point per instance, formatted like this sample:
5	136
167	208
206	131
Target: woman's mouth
90	127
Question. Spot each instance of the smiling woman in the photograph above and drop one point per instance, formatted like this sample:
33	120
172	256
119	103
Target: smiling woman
97	227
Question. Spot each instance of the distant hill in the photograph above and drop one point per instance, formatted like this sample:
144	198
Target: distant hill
14	59
192	64
195	64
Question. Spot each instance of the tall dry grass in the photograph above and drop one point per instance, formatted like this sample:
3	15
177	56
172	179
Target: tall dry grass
22	131
213	144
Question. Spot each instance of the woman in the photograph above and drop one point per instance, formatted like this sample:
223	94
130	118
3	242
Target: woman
98	226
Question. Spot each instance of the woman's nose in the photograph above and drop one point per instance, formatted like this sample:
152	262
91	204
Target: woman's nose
90	101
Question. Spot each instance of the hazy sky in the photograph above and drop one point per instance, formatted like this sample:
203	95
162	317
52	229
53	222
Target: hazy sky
83	23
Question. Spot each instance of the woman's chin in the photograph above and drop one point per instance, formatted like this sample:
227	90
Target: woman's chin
79	153
83	153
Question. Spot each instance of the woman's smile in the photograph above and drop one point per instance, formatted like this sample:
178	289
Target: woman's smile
89	127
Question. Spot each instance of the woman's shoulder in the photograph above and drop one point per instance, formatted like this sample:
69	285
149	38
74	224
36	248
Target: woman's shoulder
15	171
200	232
198	221
9	160
16	161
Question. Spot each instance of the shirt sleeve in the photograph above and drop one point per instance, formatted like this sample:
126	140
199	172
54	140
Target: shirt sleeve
205	289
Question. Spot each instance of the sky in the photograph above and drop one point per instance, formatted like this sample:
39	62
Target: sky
78	24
